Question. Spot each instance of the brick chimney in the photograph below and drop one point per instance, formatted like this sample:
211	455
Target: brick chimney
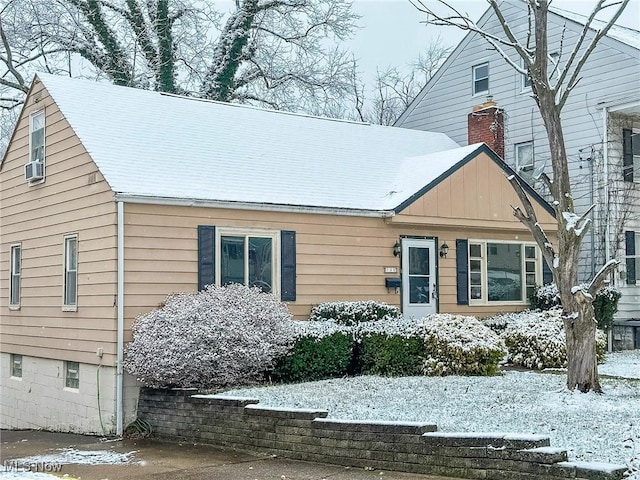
486	124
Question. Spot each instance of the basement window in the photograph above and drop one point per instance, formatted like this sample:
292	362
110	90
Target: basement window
72	375
16	366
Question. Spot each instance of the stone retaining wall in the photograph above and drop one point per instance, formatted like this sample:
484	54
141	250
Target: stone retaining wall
304	434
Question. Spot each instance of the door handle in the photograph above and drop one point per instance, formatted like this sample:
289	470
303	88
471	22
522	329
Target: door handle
434	292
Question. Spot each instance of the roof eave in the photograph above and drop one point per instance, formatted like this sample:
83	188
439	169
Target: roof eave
265	207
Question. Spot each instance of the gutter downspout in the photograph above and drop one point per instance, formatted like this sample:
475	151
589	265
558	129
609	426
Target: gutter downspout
120	330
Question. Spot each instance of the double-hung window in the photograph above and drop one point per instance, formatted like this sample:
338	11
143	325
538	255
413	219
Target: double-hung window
524	160
70	272
481	78
502	272
36	138
248	258
16	271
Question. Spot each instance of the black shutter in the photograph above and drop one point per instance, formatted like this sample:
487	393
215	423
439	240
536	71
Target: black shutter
627	155
630	240
206	255
547	276
288	266
462	271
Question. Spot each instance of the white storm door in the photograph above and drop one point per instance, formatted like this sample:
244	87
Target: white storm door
419	285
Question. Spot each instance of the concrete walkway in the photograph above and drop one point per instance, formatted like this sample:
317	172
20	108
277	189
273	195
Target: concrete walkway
155	460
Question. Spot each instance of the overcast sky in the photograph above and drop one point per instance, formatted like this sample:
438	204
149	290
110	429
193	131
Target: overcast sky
392	33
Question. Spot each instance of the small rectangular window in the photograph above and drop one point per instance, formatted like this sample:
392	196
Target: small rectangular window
524	160
16	269
524	78
16	366
72	375
70	271
36	139
481	79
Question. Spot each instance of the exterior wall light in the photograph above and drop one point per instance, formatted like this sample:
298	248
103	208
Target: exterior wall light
444	249
397	249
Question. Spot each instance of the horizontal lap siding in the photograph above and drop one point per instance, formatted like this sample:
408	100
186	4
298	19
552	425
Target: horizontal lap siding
338	258
39	217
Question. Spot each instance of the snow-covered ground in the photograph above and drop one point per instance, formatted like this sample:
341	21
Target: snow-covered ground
591	427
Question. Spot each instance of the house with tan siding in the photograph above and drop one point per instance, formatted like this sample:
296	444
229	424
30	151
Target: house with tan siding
112	198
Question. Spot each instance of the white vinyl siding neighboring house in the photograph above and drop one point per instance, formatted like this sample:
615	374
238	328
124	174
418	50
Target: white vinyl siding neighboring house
602	109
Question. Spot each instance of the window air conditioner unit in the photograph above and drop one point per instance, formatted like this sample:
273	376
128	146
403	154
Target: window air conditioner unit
34	171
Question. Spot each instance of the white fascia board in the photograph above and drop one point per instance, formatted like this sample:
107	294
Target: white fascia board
266	207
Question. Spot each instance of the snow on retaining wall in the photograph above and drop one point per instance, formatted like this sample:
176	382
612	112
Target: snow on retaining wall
306	434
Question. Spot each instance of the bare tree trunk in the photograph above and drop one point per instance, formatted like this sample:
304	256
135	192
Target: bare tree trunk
580	330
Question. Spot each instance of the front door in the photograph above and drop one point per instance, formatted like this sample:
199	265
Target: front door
419	286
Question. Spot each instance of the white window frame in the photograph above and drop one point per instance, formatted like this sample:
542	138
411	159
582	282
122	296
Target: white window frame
16	363
274	235
72	375
484	297
32	119
475	79
636	238
67	270
15	274
520	168
525	83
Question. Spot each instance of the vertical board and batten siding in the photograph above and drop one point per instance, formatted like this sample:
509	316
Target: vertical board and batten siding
444	106
74	199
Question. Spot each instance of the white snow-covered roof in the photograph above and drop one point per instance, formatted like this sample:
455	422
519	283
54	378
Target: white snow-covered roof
626	35
152	145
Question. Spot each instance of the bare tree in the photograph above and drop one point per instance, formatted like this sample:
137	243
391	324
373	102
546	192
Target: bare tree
394	88
530	56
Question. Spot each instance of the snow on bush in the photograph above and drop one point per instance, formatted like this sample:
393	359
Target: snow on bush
321	350
218	337
605	303
536	339
351	313
440	344
460	345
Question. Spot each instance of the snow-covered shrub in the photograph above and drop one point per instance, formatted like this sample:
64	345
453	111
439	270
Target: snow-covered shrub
391	347
352	313
321	350
498	323
605	306
605	303
460	345
536	339
219	337
545	297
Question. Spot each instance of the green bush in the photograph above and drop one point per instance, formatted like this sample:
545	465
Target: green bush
605	304
352	313
459	345
321	350
536	340
382	352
